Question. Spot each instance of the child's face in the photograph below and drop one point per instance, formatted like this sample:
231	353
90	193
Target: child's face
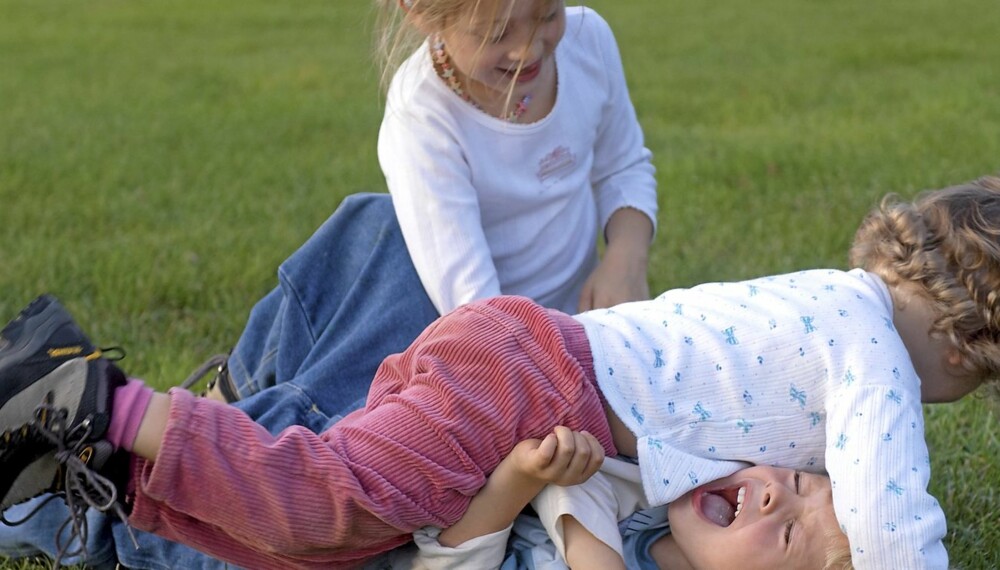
488	46
785	521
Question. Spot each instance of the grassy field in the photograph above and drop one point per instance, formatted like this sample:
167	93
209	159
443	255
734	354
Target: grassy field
159	159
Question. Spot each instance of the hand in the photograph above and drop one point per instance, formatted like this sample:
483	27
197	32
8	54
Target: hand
621	275
619	278
565	457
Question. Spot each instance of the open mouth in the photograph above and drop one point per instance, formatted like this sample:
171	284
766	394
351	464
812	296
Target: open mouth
722	506
528	72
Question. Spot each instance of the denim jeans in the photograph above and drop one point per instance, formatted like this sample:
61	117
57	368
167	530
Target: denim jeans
346	299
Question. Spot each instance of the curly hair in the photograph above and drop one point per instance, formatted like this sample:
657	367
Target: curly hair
947	241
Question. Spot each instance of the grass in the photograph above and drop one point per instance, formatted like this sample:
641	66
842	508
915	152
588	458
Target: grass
158	160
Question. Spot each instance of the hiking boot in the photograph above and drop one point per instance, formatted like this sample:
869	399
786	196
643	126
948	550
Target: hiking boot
55	407
221	387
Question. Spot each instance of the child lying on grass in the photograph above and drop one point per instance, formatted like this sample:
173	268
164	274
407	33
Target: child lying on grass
737	521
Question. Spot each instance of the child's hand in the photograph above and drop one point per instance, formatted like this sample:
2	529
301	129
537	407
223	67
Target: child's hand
619	278
565	457
621	275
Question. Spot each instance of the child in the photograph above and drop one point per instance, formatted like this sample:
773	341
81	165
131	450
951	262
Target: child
795	370
768	498
486	207
562	509
508	143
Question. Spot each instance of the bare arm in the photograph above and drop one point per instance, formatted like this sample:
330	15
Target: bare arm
564	457
154	423
621	275
584	551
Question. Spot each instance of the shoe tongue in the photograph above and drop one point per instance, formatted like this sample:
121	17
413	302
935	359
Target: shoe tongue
717	509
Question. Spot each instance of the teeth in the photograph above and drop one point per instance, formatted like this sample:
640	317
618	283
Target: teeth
739	501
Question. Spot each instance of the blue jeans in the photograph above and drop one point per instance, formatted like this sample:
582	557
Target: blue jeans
346	299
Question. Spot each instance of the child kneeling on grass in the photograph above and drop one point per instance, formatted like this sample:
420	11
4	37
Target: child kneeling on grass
738	521
815	370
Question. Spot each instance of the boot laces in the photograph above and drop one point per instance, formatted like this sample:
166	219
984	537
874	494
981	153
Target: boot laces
81	486
216	362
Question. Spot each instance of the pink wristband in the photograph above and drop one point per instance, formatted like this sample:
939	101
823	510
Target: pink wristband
128	410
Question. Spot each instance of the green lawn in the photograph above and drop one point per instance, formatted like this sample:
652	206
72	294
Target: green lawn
159	159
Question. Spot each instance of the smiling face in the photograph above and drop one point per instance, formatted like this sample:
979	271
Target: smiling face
504	49
760	517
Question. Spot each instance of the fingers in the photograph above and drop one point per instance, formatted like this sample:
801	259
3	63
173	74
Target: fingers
564	457
546	450
578	455
587	457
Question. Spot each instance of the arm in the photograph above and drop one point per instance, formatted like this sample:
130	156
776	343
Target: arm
878	462
430	180
625	191
621	275
583	521
584	551
563	458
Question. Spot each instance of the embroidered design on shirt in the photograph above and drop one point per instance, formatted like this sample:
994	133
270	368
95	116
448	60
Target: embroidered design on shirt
554	163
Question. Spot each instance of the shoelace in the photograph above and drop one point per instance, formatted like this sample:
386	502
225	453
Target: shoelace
82	487
215	362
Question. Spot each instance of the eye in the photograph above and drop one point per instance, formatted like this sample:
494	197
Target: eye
497	36
791	523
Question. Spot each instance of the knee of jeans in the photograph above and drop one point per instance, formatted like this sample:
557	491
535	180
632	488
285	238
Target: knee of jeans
247	382
378	206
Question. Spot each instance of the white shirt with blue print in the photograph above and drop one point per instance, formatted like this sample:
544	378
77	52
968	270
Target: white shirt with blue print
804	371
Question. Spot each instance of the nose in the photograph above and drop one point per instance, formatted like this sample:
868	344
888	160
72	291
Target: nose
773	497
527	51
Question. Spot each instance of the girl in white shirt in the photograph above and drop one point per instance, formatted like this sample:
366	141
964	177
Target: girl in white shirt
509	144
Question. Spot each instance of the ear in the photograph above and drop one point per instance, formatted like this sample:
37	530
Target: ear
953	357
415	17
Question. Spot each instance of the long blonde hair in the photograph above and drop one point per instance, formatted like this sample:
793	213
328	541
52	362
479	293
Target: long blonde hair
397	36
946	241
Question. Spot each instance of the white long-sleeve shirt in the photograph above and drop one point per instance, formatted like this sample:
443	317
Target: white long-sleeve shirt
803	371
489	207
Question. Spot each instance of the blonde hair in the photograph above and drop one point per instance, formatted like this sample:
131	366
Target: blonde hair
838	551
946	241
397	36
